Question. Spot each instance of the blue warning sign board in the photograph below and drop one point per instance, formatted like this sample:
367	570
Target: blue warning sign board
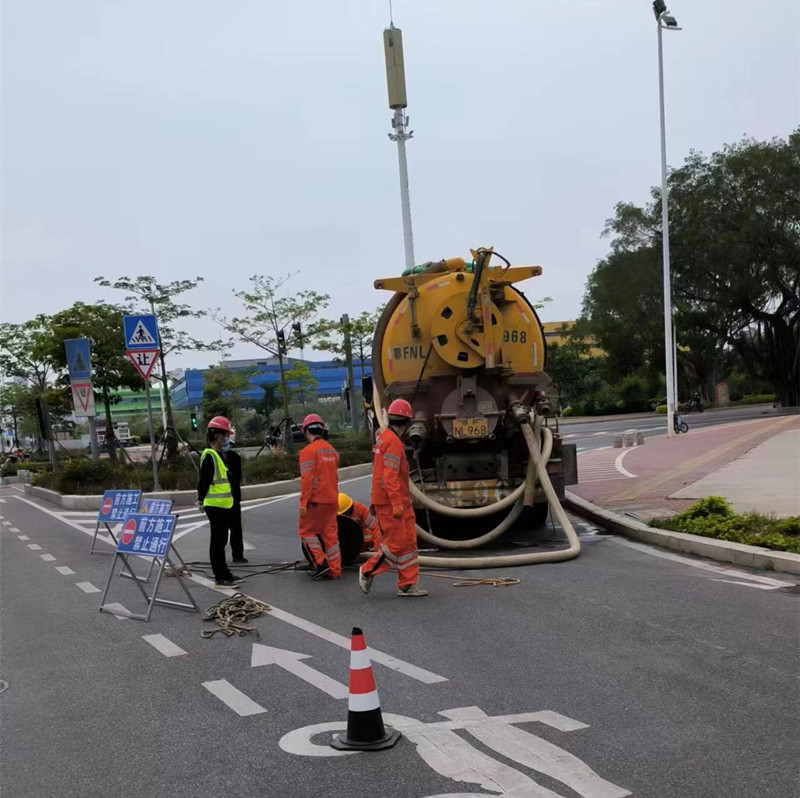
148	535
79	362
117	505
141	332
156	506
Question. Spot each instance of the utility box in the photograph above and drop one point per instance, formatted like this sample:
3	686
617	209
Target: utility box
395	67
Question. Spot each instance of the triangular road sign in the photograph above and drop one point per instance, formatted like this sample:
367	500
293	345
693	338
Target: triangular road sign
141	336
144	360
83	399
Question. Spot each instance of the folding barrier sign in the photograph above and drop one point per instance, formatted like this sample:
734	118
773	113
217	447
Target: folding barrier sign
154	507
116	506
148	536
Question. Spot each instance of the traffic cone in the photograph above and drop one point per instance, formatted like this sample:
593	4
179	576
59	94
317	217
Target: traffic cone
365	729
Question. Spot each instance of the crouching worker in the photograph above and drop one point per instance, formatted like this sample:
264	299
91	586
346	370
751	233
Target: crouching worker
319	495
215	497
392	502
367	523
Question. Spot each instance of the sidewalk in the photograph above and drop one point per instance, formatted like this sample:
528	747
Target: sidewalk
755	464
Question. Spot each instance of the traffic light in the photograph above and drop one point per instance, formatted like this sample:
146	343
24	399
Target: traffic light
194	421
281	342
298	333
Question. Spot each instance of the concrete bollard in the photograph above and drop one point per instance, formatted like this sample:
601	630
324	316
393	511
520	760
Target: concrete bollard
24	476
618	443
628	439
640	439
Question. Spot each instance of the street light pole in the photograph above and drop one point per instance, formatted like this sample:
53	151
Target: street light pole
663	20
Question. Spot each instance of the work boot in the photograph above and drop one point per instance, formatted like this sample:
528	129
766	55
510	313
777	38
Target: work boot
364	582
227	582
411	590
240	560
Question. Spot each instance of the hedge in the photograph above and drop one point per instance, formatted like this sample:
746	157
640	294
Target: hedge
714	517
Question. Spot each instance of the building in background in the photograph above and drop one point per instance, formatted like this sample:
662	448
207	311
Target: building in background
555	332
133	403
331	375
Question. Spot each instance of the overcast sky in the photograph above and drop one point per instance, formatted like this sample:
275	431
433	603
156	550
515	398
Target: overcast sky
190	137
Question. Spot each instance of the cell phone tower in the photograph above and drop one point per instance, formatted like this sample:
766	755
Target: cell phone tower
396	84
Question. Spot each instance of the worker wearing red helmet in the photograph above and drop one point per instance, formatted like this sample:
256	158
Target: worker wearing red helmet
319	497
215	497
392	503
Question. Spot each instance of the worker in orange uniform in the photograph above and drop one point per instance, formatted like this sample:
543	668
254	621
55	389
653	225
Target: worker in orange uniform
392	504
365	519
319	496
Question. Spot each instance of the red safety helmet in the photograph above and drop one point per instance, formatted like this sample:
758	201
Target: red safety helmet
400	408
312	418
221	423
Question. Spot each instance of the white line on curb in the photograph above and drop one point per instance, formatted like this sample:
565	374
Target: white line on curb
240	703
164	645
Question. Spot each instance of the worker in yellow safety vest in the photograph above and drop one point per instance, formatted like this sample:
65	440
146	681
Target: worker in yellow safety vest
215	497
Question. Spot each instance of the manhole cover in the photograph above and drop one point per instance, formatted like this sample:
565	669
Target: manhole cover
3	686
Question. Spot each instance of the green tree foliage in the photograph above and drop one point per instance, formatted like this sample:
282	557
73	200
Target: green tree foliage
269	314
268	402
13	407
735	258
111	369
575	377
301	382
222	392
26	352
361	330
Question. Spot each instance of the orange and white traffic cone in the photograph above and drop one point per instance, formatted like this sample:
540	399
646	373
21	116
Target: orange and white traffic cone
365	729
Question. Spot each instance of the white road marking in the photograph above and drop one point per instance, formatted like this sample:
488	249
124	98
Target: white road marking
65	570
420	674
748	584
240	703
87	587
290	661
120	612
247	545
618	465
34	547
6	523
164	645
2	501
22	537
14	529
453	757
705	566
48	557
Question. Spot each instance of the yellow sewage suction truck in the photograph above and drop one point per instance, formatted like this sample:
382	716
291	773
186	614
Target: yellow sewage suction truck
467	350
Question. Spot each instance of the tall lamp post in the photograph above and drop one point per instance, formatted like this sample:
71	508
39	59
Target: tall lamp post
664	21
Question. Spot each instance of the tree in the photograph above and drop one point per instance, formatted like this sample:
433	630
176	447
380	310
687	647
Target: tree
25	351
268	402
301	382
150	296
269	314
111	369
12	407
222	391
575	376
362	332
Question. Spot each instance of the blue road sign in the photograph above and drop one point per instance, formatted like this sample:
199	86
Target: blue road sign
117	505
141	332
156	506
148	535
79	361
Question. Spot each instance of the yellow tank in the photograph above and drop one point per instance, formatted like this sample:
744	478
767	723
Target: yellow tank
467	350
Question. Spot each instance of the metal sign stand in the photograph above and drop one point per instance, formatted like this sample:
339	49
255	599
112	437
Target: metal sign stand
133	525
92	549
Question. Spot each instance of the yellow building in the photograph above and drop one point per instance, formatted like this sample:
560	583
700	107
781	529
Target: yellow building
553	333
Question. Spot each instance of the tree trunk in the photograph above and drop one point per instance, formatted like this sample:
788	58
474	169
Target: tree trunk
111	438
287	430
171	437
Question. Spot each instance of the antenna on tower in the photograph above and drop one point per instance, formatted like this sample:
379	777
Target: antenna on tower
391	18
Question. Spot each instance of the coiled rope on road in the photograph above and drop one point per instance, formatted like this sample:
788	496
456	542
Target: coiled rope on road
233	614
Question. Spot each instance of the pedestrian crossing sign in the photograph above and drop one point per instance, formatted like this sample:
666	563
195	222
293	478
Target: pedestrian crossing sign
141	332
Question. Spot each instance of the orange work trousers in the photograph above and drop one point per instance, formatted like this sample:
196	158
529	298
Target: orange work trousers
398	547
319	535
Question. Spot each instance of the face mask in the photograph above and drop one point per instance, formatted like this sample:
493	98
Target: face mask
226	447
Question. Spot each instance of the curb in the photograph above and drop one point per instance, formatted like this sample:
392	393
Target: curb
185	498
720	550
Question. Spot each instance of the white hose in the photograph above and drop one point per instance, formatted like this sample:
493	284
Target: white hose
539	458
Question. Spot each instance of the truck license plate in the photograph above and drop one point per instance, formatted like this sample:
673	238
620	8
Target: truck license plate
470	427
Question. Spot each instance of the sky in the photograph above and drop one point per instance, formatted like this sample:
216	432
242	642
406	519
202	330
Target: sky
196	138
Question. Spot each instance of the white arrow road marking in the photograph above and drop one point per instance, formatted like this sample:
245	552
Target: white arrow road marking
290	661
420	674
164	645
240	703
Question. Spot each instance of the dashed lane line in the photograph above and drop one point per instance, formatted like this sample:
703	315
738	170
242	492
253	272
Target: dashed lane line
120	612
164	645
6	523
87	587
22	537
48	557
65	570
13	529
240	703
34	547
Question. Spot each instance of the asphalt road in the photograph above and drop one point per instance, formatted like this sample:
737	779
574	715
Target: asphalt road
652	676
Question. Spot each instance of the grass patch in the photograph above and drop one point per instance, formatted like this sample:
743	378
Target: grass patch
714	517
